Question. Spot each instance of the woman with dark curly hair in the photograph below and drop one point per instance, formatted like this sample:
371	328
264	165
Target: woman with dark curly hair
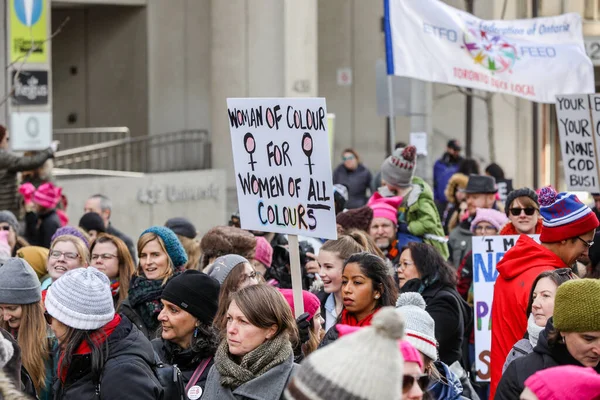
188	339
423	270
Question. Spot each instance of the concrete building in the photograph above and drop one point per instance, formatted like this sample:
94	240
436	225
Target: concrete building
164	65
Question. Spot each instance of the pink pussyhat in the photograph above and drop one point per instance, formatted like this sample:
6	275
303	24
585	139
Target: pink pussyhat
549	384
381	209
47	195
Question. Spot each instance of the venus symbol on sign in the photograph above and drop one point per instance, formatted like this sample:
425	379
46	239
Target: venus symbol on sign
307	148
250	146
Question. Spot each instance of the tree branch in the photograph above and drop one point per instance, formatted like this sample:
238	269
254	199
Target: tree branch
450	93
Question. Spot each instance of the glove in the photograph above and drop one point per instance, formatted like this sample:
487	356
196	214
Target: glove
303	327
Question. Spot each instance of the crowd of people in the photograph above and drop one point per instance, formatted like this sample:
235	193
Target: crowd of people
388	306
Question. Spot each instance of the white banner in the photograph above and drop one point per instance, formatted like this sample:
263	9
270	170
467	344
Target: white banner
536	59
282	165
487	252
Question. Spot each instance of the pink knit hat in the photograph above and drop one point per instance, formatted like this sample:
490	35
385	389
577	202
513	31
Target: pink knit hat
47	195
263	251
494	217
311	301
409	353
549	384
382	209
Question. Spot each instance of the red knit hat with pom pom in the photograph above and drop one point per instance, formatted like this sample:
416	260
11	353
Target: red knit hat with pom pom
399	168
564	216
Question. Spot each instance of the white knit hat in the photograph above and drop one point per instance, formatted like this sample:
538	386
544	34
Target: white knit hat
419	326
81	299
365	365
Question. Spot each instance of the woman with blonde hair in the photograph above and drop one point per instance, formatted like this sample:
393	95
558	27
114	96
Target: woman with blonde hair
110	255
161	257
67	252
23	316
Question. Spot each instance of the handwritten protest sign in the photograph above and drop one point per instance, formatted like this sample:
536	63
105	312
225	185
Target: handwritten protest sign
282	165
577	144
487	252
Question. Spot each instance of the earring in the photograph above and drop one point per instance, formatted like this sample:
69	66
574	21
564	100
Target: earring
376	296
196	332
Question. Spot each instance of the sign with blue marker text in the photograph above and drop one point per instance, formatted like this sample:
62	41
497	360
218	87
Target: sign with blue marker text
487	252
282	165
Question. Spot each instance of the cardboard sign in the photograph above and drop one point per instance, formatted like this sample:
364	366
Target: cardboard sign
282	165
577	142
487	252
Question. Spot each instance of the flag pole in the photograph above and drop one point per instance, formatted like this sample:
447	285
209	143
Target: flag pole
389	60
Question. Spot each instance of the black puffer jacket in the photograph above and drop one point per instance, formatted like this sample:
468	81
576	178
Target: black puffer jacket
357	182
544	356
186	360
127	373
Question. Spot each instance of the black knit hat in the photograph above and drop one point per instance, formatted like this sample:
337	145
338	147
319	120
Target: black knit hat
194	292
92	222
523	192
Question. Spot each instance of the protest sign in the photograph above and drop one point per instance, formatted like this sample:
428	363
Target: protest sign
577	142
535	59
487	252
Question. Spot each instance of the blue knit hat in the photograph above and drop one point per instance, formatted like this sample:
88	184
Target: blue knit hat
174	247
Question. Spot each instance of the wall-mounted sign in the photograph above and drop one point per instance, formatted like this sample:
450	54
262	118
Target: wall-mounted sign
30	87
30	130
28	30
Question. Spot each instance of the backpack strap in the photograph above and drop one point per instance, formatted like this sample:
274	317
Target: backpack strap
198	373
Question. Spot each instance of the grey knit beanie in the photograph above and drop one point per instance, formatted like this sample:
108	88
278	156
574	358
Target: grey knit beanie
420	326
224	265
19	283
81	299
523	192
399	168
9	217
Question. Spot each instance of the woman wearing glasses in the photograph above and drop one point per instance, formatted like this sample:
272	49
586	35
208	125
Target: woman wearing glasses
110	255
539	310
523	211
423	270
67	252
22	314
355	176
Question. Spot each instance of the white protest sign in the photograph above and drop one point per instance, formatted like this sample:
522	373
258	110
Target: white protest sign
577	145
282	165
487	252
419	140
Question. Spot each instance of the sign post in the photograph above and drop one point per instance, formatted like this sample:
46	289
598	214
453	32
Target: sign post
283	173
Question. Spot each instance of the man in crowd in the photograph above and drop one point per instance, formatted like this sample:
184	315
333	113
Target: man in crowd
384	228
443	170
101	205
481	193
568	229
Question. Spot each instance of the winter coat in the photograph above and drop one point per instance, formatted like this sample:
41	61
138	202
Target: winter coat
459	242
443	169
186	360
420	214
522	348
268	386
39	229
127	310
543	356
449	387
10	165
357	182
127	372
517	271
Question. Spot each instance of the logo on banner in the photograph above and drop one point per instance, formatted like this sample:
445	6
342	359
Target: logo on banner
28	11
31	87
28	30
492	52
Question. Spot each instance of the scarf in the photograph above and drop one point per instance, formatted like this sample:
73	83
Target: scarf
349	319
533	330
114	288
144	296
260	360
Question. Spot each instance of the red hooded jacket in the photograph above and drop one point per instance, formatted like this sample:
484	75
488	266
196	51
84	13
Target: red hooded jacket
517	270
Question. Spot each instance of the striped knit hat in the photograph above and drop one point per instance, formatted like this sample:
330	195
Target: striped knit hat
564	216
362	366
420	326
81	299
399	168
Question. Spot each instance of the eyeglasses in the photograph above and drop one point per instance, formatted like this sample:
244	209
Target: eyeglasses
104	257
487	228
5	228
516	211
48	318
409	380
588	244
402	265
69	256
346	158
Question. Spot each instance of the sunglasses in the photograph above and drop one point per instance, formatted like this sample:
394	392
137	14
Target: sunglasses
409	380
5	228
346	158
48	318
566	272
516	211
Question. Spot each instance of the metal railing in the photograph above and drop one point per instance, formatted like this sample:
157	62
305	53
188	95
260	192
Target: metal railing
77	137
174	151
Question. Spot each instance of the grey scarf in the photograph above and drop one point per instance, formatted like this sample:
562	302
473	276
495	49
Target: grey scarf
266	356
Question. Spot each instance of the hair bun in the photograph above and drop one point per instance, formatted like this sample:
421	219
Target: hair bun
409	153
411	299
547	196
389	323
